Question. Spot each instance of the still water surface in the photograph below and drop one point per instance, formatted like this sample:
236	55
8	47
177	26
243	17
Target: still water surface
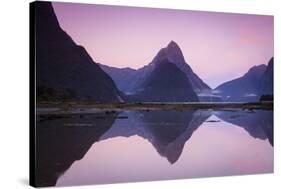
155	145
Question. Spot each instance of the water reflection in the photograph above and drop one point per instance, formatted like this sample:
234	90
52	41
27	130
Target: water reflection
61	140
258	123
167	131
152	145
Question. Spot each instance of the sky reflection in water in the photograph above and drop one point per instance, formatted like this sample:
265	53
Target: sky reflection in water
162	145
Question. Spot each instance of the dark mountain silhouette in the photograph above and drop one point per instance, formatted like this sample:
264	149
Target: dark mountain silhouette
266	83
167	131
167	83
64	69
63	139
245	88
130	80
174	54
258	124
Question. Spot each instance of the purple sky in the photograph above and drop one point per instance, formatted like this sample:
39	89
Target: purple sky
218	46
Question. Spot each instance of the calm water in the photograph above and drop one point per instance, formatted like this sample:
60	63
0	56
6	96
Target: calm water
155	145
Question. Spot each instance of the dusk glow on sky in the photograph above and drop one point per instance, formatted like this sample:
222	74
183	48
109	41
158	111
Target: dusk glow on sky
218	46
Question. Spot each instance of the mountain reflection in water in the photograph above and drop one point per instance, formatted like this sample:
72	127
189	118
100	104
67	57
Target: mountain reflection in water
153	145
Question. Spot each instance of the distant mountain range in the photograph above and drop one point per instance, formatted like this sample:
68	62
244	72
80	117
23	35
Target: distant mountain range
131	80
124	78
256	82
65	70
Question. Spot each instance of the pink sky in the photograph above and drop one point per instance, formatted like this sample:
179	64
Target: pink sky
218	46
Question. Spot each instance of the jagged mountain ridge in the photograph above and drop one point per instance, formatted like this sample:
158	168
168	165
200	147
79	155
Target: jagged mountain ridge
133	81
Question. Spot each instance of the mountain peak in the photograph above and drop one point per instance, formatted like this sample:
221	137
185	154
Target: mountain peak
173	46
172	52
